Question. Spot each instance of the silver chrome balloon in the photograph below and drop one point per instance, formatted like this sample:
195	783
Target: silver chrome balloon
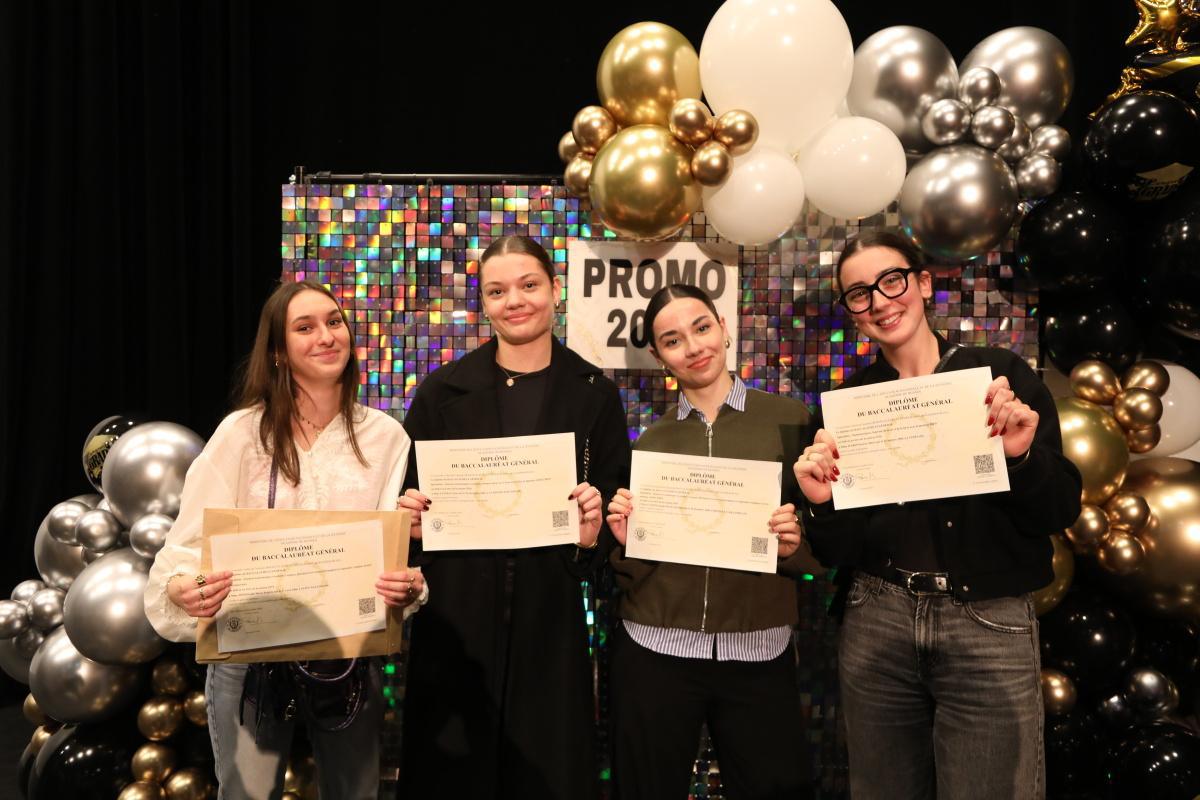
28	641
46	609
149	534
103	505
14	618
27	589
1053	141
1038	175
92	500
57	563
1150	693
62	520
979	87
144	470
899	72
1018	145
15	665
98	530
991	126
70	687
946	122
958	202
1036	75
105	615
91	555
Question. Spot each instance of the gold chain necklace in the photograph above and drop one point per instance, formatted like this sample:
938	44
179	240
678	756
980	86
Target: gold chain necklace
317	429
511	376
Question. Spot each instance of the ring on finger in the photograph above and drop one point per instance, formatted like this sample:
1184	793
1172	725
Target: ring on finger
202	595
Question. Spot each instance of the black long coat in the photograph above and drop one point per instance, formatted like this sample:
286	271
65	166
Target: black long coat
499	697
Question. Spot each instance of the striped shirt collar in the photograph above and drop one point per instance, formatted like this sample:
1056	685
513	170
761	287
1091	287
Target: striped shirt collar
736	399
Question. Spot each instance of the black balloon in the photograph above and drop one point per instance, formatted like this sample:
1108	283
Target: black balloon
1115	712
100	439
85	762
1091	639
1074	241
1161	761
1142	146
1091	326
1170	275
1074	755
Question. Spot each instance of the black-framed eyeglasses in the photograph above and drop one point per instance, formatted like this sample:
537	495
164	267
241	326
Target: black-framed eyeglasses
891	284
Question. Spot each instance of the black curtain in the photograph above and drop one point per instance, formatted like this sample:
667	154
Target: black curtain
143	144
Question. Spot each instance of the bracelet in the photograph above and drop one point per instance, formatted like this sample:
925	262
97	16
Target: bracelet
592	546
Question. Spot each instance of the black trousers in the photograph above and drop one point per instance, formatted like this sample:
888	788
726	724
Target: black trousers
659	704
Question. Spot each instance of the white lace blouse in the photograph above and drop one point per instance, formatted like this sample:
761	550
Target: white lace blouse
233	471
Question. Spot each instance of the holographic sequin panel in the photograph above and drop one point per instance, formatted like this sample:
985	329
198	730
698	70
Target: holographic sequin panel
404	261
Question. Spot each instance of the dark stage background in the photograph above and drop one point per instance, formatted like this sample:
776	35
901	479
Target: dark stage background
144	145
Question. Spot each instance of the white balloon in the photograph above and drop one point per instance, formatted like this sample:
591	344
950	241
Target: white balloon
761	199
787	62
1180	422
853	168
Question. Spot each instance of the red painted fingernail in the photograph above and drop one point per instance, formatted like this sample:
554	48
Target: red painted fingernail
991	420
987	401
836	454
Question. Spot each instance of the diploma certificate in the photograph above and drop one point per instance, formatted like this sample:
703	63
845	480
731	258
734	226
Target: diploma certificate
299	584
499	494
914	439
711	512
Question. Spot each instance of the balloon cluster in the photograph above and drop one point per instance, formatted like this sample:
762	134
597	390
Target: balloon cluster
775	75
984	138
78	635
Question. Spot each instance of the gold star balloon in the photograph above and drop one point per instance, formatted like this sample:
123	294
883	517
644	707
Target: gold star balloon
1164	24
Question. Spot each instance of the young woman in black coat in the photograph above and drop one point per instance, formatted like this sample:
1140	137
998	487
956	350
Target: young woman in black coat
499	695
938	651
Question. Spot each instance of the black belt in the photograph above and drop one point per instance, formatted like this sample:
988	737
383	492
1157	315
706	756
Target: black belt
915	583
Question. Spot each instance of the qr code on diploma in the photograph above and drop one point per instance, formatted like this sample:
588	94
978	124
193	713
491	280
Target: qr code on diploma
985	464
366	605
758	545
560	519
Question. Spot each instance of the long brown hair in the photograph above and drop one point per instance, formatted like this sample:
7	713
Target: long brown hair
267	382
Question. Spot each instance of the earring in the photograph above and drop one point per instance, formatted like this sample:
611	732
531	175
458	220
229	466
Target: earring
728	342
666	371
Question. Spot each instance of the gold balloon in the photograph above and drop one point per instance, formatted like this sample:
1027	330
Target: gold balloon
567	147
737	130
1147	375
1169	580
1144	440
189	783
39	738
300	778
1063	562
577	174
1058	692
1089	529
1121	553
169	677
195	708
1095	382
152	762
1135	409
691	122
160	717
642	185
32	711
1128	511
1095	444
645	70
711	164
593	126
141	790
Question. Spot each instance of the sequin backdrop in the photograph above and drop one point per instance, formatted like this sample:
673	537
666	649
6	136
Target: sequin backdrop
403	260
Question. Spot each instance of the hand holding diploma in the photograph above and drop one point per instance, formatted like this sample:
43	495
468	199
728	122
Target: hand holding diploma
1007	418
200	596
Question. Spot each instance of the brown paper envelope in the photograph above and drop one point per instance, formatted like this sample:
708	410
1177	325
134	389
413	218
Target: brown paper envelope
246	520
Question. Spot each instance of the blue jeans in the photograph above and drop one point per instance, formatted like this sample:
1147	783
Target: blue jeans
252	769
942	698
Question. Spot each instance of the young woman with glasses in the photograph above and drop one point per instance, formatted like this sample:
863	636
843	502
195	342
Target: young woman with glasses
938	650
